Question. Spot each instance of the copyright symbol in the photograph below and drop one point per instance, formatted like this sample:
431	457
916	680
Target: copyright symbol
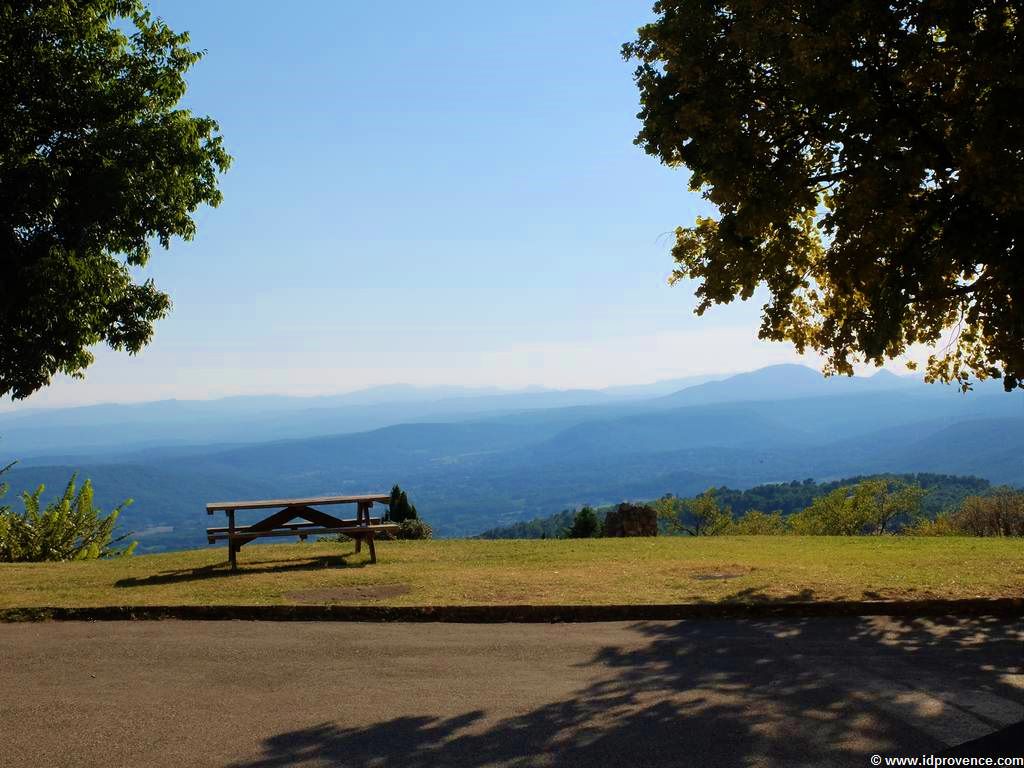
876	759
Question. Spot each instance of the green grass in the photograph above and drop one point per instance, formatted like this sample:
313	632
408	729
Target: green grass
548	572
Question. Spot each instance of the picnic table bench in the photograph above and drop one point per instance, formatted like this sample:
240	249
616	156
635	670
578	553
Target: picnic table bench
315	521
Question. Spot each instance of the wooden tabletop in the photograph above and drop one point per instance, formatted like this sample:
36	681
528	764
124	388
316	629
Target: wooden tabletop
311	501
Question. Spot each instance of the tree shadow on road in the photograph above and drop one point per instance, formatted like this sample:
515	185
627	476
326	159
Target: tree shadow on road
722	693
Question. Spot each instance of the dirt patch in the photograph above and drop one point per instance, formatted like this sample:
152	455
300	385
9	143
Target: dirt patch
720	572
348	594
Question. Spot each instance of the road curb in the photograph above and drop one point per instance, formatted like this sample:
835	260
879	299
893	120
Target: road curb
496	614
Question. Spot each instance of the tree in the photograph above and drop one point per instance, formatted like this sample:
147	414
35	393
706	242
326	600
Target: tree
874	505
399	508
585	525
96	162
866	161
834	514
999	513
882	503
699	516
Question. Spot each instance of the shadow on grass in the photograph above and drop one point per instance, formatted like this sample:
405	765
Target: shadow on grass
223	570
759	596
711	693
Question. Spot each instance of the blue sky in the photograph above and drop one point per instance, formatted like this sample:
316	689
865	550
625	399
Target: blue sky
427	193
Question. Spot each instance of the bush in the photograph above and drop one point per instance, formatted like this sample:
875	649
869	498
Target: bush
833	514
413	529
758	523
942	525
1000	513
585	525
70	528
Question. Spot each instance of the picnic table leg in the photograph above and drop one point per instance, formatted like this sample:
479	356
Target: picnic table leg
359	543
232	549
373	550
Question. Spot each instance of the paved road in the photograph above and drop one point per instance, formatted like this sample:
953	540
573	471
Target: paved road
707	693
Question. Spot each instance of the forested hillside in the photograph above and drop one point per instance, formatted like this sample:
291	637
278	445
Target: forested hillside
943	493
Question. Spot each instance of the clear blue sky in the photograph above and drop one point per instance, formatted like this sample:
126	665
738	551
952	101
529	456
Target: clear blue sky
428	193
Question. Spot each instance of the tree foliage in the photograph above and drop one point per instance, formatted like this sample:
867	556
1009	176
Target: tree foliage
96	162
3	486
553	527
944	492
833	514
867	162
702	515
885	504
71	528
414	528
758	523
585	525
399	508
871	506
999	513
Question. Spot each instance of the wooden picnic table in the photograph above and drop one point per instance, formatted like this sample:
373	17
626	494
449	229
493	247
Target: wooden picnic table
317	522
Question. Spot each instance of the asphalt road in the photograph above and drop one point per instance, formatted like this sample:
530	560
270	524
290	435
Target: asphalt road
698	693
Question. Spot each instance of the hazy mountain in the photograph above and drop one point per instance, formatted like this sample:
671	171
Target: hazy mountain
661	388
468	469
784	382
115	429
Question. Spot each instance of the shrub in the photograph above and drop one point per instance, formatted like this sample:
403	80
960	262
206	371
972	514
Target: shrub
1000	513
70	528
758	523
942	525
413	529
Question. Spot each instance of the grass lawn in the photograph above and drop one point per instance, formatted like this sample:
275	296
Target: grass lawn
545	572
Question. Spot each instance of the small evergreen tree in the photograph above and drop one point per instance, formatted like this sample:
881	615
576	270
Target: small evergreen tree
584	524
399	507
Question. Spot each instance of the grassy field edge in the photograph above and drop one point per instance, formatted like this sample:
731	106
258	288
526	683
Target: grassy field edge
662	571
522	614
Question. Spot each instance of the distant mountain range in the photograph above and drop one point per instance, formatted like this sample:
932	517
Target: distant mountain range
123	428
473	461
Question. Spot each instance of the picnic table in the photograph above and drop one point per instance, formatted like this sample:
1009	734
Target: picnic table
316	522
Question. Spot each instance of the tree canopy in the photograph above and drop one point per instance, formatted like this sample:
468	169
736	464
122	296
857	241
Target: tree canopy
96	162
585	525
867	163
